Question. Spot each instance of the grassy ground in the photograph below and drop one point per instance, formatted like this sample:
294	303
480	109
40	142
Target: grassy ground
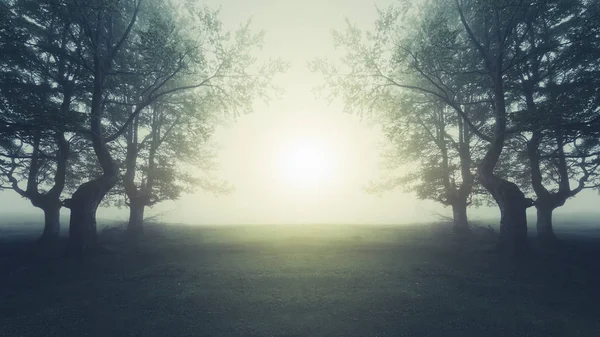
302	281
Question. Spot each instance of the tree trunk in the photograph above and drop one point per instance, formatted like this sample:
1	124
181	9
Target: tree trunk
83	205
460	223
50	201
87	197
513	222
513	217
51	223
511	201
545	232
135	227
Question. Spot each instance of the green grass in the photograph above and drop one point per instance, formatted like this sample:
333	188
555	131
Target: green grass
302	281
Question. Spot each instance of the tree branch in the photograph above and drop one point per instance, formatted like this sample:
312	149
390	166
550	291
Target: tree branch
452	104
470	33
14	182
116	48
149	100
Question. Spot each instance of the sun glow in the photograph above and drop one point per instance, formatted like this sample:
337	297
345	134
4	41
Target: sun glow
306	161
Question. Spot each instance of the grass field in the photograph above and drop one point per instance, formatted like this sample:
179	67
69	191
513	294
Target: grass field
302	281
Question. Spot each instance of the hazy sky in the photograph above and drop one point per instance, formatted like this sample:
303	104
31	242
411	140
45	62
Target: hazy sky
253	155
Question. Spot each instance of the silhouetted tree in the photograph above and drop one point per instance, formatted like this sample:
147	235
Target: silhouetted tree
131	44
39	84
556	87
166	147
432	155
433	145
163	162
489	29
166	144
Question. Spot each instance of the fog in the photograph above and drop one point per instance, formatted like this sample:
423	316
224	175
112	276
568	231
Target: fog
251	148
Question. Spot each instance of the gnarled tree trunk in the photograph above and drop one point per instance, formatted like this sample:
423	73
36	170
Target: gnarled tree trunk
86	199
510	199
105	46
548	201
513	217
83	205
49	202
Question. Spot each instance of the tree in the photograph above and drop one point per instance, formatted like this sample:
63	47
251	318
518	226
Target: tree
432	155
557	85
385	75
167	139
490	28
161	164
39	85
125	46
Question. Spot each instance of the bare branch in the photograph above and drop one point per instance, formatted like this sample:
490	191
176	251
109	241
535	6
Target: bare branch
470	33
149	100
123	38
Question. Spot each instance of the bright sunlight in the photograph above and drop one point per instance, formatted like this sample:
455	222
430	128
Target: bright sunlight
306	161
